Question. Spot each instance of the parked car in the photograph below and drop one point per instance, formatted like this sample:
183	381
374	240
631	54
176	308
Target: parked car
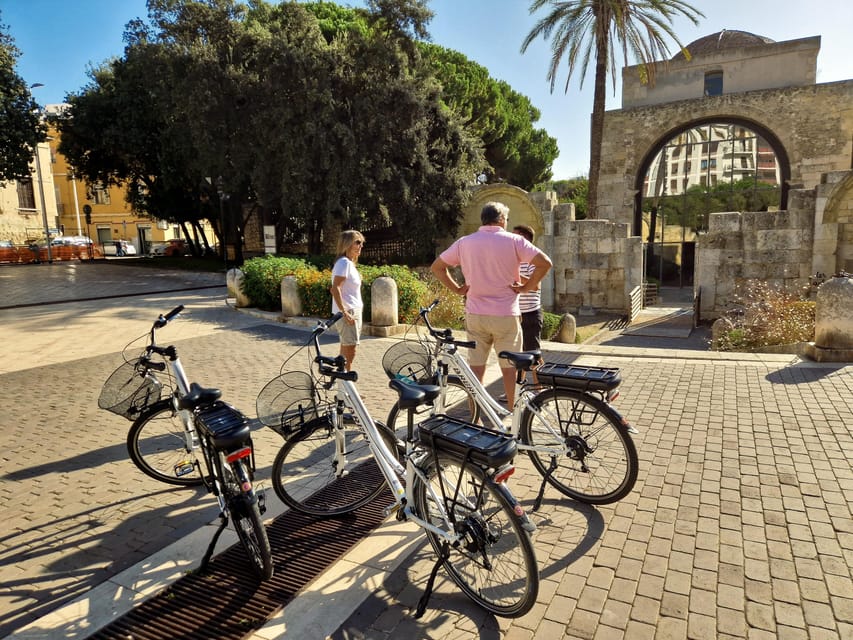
127	248
170	248
70	240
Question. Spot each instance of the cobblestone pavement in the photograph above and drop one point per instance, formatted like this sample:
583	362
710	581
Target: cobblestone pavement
739	527
76	511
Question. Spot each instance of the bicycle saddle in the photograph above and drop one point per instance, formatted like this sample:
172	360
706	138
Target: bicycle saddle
199	396
414	395
523	360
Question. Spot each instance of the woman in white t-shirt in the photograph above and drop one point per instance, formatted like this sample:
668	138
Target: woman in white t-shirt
346	292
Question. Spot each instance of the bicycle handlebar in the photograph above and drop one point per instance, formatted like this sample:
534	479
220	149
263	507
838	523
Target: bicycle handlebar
328	366
163	320
445	336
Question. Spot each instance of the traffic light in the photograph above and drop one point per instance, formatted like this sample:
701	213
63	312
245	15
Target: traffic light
87	210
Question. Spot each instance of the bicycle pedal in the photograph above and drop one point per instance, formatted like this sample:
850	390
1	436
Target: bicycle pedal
262	501
184	467
392	508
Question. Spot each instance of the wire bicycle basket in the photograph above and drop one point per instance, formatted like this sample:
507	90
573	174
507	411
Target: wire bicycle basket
409	360
288	402
129	390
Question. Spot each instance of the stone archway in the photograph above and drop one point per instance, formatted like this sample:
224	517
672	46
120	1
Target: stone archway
836	220
522	210
696	168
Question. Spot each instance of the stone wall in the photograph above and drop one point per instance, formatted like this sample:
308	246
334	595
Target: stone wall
596	264
774	247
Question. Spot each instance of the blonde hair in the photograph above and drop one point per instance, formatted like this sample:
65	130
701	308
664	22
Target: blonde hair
346	240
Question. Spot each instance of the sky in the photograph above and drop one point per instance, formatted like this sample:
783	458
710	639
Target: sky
61	39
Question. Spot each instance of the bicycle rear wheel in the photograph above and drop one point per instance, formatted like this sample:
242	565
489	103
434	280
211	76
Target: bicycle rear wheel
306	474
494	565
597	461
157	444
458	403
250	529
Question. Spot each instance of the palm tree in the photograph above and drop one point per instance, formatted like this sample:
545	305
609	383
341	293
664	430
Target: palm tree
585	28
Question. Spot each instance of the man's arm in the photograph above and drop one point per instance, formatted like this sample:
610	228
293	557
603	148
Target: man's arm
542	265
439	269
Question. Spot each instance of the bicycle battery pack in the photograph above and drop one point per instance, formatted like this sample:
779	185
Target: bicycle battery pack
570	376
484	447
227	427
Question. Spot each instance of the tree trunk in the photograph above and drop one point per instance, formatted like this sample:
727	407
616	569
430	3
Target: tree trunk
597	124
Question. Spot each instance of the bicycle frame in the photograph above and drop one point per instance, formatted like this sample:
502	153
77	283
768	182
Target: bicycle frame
448	358
347	394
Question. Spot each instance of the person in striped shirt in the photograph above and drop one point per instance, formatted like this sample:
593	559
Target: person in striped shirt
530	303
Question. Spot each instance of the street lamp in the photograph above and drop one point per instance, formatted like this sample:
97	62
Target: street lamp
40	178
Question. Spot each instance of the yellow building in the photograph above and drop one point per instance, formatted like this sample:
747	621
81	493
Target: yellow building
110	217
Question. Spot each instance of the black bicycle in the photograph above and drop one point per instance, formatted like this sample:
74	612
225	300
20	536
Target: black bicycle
190	437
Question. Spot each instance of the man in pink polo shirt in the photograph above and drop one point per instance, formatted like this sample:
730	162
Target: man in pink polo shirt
490	258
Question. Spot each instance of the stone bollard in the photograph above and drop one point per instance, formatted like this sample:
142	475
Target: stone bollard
291	303
230	276
234	283
384	308
833	321
720	328
567	332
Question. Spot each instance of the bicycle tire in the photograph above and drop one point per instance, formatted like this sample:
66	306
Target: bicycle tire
252	533
510	585
304	471
156	443
458	403
601	465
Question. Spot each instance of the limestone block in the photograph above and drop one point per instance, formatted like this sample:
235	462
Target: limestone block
607	245
594	228
235	290
567	331
291	303
569	301
564	211
230	276
834	313
383	302
720	327
593	260
724	222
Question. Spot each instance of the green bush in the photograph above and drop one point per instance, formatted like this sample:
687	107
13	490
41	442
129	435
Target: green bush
550	324
262	279
767	316
411	291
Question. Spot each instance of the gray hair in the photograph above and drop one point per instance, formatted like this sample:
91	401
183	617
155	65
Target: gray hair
493	212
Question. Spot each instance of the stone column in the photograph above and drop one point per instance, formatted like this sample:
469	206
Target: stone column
833	321
384	307
234	283
291	303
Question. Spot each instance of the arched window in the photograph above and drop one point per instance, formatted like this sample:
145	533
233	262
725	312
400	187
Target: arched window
703	169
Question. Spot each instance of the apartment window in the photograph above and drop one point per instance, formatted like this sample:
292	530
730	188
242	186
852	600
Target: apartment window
26	194
714	83
99	194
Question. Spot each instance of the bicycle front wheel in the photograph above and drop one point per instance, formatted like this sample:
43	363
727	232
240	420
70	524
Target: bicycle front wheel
458	403
250	528
494	565
311	476
159	444
580	445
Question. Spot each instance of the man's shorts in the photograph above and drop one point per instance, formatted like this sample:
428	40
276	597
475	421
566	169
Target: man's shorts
501	332
531	329
349	333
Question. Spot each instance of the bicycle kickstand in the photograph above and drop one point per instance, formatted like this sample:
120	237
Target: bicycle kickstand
207	554
551	468
424	601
